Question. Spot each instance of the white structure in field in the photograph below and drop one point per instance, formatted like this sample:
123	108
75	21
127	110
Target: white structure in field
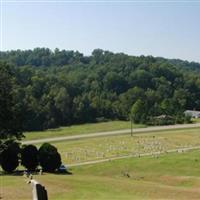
39	192
192	113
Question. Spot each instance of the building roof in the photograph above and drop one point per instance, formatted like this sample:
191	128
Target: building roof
192	112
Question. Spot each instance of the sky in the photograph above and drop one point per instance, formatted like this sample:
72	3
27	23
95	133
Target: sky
168	29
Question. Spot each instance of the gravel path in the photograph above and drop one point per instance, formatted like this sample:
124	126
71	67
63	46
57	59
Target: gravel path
110	133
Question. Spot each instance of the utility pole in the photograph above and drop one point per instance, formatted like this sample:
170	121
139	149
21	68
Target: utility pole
131	128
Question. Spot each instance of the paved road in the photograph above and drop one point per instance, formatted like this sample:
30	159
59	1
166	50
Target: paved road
180	150
110	133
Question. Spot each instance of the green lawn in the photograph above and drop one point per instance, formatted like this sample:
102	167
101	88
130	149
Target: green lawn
171	176
119	145
196	120
81	129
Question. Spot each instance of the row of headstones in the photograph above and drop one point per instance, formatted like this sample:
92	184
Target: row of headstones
143	146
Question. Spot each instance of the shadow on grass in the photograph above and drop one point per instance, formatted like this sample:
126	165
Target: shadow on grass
37	172
15	173
62	173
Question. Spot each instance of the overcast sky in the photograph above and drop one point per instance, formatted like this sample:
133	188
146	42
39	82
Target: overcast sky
155	28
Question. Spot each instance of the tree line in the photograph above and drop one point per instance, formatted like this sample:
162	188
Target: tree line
58	88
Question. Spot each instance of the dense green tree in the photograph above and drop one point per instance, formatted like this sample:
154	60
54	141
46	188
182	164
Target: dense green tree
115	82
138	112
62	104
29	157
141	78
10	125
47	89
49	157
9	152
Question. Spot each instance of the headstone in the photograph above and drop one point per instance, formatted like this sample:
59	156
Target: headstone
39	191
40	172
25	174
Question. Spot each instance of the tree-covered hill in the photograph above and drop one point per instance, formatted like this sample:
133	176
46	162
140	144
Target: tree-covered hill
57	88
46	57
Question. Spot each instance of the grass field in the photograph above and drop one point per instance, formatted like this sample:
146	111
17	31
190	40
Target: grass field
81	129
196	120
111	146
171	176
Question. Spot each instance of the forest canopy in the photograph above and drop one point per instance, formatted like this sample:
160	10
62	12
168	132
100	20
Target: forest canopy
58	88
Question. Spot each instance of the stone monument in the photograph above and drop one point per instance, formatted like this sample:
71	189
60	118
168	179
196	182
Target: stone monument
39	191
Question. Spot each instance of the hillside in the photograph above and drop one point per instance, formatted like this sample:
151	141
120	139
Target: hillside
57	88
171	176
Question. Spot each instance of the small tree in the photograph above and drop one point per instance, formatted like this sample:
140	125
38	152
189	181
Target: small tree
29	157
49	157
188	119
138	112
9	156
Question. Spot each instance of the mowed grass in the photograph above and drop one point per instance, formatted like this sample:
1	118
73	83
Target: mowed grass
171	176
195	120
81	129
112	146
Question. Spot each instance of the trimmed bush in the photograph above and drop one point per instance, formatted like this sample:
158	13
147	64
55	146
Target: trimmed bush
9	156
49	157
29	157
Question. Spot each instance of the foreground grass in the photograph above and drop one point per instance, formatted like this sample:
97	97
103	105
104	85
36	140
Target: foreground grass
171	176
81	129
112	146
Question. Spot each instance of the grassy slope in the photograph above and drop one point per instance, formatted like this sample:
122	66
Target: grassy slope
172	176
105	147
80	129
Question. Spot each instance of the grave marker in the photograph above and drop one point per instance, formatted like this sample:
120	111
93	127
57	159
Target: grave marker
39	192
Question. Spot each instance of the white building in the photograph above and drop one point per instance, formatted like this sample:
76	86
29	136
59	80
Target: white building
192	113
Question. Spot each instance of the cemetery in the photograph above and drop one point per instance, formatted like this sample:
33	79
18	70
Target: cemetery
169	154
113	146
171	175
